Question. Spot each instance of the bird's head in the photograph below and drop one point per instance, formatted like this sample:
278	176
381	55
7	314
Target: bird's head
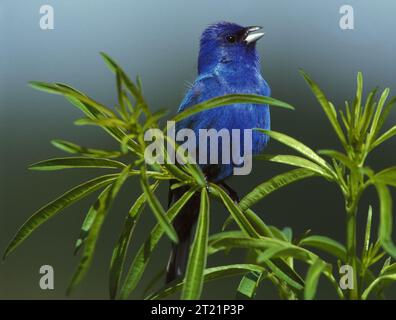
225	43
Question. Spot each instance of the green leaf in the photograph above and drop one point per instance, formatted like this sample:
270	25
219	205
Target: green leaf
384	115
282	252
386	136
258	224
120	249
76	162
279	267
235	211
375	283
249	284
288	232
326	244
368	112
210	274
278	234
377	115
358	98
71	147
298	146
283	272
312	279
275	183
338	156
52	208
326	107
121	96
157	208
386	223
88	221
101	206
227	100
143	255
133	89
89	107
389	269
386	176
105	122
71	93
194	278
367	233
296	162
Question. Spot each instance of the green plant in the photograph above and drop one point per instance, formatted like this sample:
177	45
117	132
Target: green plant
271	252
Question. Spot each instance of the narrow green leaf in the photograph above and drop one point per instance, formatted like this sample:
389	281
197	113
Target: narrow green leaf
377	115
325	106
358	99
312	279
278	266
368	112
134	90
288	232
298	146
157	208
249	284
375	283
258	224
194	278
384	115
386	176
71	147
120	249
52	208
89	107
87	223
386	220
101	206
296	162
121	96
389	269
105	122
326	244
143	255
69	92
235	211
275	183
210	274
368	232
338	156
283	252
76	162
386	136
229	100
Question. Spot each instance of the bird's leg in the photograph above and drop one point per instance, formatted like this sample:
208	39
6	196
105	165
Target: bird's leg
231	192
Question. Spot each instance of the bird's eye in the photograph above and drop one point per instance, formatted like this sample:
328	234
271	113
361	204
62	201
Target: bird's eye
231	39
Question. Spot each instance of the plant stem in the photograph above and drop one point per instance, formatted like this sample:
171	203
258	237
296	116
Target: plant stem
351	209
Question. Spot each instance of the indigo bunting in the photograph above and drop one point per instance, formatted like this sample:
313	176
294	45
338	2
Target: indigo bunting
228	63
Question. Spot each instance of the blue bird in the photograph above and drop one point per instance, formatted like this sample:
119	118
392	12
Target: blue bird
228	63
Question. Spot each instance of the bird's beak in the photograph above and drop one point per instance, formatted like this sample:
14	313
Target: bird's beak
251	35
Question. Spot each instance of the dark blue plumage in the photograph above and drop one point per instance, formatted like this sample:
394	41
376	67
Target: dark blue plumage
228	63
223	68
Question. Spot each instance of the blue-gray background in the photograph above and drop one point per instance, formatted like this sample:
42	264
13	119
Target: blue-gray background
159	41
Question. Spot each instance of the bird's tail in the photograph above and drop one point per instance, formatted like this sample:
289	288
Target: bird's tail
184	225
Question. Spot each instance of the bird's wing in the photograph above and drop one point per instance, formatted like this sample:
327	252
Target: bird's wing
204	87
